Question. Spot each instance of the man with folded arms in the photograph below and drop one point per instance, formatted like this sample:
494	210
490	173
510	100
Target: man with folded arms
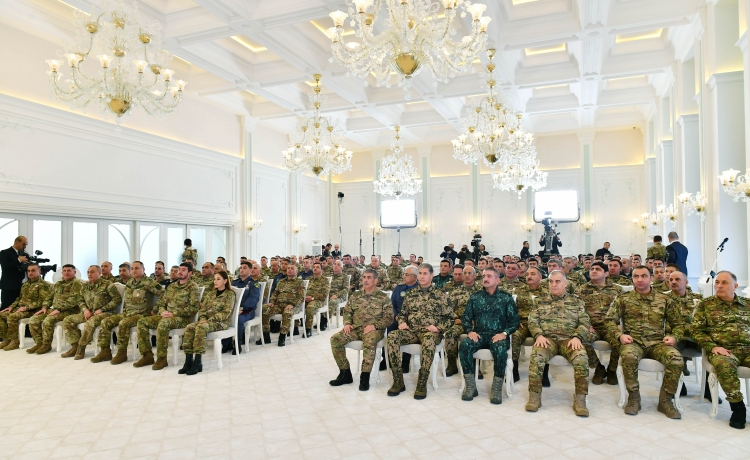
63	300
33	293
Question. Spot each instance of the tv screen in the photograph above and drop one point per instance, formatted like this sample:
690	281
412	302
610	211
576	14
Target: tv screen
559	205
398	214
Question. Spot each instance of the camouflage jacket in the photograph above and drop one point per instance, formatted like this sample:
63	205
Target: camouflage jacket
644	317
328	271
425	307
524	302
365	309
339	287
110	278
206	282
265	271
661	286
137	298
717	323
452	285
318	287
101	295
657	251
180	300
395	275
440	280
356	275
190	253
559	318
490	314
384	283
459	297
598	299
216	308
65	296
33	294
163	277
289	292
687	308
622	280
575	277
570	289
511	286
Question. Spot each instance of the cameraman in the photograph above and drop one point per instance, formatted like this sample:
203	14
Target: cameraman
12	265
556	243
449	253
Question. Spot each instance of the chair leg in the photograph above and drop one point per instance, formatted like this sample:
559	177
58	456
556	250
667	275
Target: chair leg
713	388
680	383
509	383
477	364
175	349
621	384
22	335
58	338
95	338
217	353
236	346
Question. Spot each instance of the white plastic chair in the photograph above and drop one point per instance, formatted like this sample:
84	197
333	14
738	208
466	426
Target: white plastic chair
176	334
415	350
256	324
324	309
341	305
297	316
713	382
381	348
626	288
486	355
600	346
231	331
134	329
81	326
646	365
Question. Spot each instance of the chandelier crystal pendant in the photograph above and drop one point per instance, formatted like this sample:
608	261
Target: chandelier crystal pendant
398	176
667	213
317	145
518	167
738	187
415	34
693	204
130	69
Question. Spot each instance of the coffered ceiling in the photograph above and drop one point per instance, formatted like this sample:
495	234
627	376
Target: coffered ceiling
568	64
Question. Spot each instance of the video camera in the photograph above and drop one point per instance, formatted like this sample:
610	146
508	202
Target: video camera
43	269
475	242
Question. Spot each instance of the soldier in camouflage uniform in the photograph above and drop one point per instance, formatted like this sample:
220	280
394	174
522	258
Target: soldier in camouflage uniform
317	291
660	281
33	294
339	292
552	265
99	299
614	275
366	316
658	250
425	316
395	273
524	303
574	276
686	299
458	298
159	275
598	295
457	280
214	315
137	305
560	325
286	300
721	326
107	272
206	280
265	270
489	319
444	276
511	282
643	313
384	283
351	269
190	254
64	300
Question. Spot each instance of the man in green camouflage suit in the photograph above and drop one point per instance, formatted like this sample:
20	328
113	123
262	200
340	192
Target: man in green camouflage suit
643	313
107	272
206	280
33	293
395	273
721	326
317	291
459	297
574	276
384	283
511	282
286	300
524	304
174	310
552	265
351	269
684	297
339	292
458	279
159	274
137	305
265	270
366	316
64	300
190	254
425	316
99	300
598	295
660	281
658	250
614	275
560	326
444	276
489	319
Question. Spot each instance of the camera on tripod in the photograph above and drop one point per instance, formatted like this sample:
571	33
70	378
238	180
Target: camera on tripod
43	269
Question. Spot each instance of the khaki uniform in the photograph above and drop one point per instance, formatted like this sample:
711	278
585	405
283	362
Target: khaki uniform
452	285
287	292
206	282
363	310
511	286
318	290
356	276
657	251
339	288
182	301
213	316
33	294
384	283
458	299
138	297
101	295
265	271
622	280
190	253
66	298
598	299
395	275
524	304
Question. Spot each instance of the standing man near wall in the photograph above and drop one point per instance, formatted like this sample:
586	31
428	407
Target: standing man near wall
12	265
677	253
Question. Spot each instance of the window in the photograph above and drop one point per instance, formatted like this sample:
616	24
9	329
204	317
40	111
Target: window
119	244
85	235
218	243
47	237
175	246
149	246
198	237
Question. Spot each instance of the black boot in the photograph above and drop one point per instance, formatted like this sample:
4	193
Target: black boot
685	370
296	331
382	364
516	375
683	390
275	326
226	346
707	392
405	360
188	364
739	415
235	351
545	377
323	323
364	381
197	365
344	377
266	339
308	333
282	340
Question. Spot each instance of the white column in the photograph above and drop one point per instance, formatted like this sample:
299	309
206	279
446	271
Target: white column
424	171
586	143
377	156
743	45
246	241
689	228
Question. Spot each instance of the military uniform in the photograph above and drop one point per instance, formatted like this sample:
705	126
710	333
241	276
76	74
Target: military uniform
356	275
216	307
339	288
440	280
190	253
100	295
182	301
657	251
318	290
661	286
287	292
598	299
395	276
451	285
524	305
33	295
265	272
622	280
206	282
159	279
575	277
327	271
458	298
66	298
570	289
110	278
384	282
511	286
363	310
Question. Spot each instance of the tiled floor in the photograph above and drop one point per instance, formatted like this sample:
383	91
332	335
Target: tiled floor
276	403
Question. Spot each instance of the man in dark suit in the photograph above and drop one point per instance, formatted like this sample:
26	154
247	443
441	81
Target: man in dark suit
11	264
677	253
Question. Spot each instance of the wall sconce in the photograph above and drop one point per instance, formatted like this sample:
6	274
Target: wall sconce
423	228
376	229
253	224
667	213
736	186
527	227
474	227
587	225
693	204
299	228
645	220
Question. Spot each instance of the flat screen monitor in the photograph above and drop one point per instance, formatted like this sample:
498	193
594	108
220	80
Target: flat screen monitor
558	205
398	214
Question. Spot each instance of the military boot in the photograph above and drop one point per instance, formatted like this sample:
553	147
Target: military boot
266	339
634	403
282	340
611	377
120	357
197	365
739	415
33	349
187	365
496	393
421	390
81	352
44	349
160	363
146	360
405	361
344	377
4	343
666	405
579	405
599	375
70	353
13	345
452	368
535	402
364	381
545	376
516	375
470	389
398	382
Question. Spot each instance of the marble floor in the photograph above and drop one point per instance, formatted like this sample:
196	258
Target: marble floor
276	403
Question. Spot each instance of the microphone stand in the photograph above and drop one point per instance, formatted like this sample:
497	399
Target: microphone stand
712	273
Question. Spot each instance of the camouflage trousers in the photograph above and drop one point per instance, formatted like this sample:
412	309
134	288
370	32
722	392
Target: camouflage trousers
286	317
670	357
451	339
123	324
369	343
428	340
541	356
9	323
519	337
162	326
194	340
498	349
74	336
726	371
42	326
333	306
600	333
310	309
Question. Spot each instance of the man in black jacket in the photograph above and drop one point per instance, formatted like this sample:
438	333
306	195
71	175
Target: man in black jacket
11	264
677	253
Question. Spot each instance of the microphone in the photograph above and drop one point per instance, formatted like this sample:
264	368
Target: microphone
721	246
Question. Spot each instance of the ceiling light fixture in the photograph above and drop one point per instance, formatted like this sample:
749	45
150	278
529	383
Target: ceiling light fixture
398	176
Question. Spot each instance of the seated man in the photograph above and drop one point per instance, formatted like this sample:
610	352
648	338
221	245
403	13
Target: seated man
286	300
524	303
100	298
458	298
33	293
511	282
317	291
63	300
660	282
366	315
444	276
137	305
249	278
425	316
643	314
384	283
721	326
107	271
339	292
397	300
159	274
206	280
560	326
457	281
615	267
350	268
308	271
489	318
175	310
124	270
684	297
395	272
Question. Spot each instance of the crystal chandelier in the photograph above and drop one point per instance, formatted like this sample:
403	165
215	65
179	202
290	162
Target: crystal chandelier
317	145
667	213
518	167
132	69
738	187
398	176
414	36
490	124
693	204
